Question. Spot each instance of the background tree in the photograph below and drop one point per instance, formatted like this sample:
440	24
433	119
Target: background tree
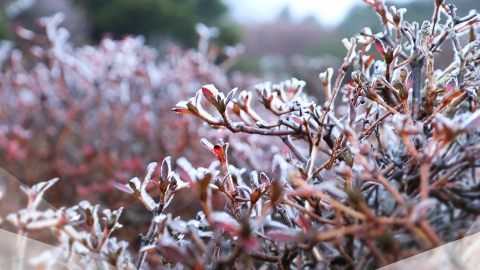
174	19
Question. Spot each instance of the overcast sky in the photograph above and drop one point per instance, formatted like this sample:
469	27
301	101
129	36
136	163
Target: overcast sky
328	12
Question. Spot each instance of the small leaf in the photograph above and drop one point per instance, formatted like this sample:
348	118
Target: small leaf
252	244
205	143
255	196
185	108
369	61
170	250
122	187
380	47
202	186
148	175
218	150
36	191
264	179
166	168
230	95
302	192
112	218
218	104
164	186
192	109
298	120
89	216
285	236
450	86
303	222
270	99
209	92
219	185
276	192
228	226
397	51
409	82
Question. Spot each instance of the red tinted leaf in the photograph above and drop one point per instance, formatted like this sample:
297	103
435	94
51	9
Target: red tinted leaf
285	236
303	192
218	150
172	252
369	61
379	46
183	107
209	91
122	187
255	195
451	85
228	225
303	222
298	120
252	244
409	82
265	93
350	82
264	179
182	110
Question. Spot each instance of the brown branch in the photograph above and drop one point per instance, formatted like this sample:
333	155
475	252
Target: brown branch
308	213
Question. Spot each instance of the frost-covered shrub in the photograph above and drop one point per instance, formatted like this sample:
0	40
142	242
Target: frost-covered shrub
388	172
95	114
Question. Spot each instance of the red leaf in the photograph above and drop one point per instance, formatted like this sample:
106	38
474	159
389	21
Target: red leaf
209	91
182	110
285	236
218	150
252	244
264	179
380	47
300	192
450	86
369	61
409	82
228	226
303	222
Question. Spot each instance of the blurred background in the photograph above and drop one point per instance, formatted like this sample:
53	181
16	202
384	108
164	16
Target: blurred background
86	94
281	38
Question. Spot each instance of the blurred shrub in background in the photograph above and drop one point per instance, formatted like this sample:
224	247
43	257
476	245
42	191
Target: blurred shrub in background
96	113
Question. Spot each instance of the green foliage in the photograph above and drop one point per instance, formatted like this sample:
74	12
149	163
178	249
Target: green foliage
175	19
5	32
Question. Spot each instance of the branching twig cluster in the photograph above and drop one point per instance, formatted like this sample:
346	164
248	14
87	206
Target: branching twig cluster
393	176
